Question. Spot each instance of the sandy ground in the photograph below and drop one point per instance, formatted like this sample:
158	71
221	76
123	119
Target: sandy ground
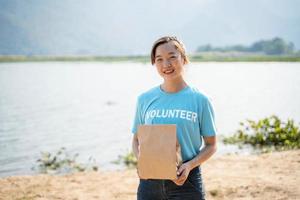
266	176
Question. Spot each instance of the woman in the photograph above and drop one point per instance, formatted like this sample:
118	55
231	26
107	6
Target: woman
175	102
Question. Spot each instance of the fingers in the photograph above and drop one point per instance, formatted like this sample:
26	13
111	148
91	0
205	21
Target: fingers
181	179
180	170
182	174
179	182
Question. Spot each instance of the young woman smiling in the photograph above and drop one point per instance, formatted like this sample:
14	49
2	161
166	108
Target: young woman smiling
176	102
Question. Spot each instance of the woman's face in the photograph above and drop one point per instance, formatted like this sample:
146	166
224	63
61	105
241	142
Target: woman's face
168	61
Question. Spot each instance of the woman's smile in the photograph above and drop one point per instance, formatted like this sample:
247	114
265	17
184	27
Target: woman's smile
169	71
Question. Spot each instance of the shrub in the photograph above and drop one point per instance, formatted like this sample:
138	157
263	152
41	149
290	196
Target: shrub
62	162
269	132
129	160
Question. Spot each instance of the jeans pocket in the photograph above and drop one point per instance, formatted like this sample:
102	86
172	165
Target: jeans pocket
195	181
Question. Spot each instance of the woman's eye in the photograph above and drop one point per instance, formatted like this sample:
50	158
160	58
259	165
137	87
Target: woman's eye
158	60
173	57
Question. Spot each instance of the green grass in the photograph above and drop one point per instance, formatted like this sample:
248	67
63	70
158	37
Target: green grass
245	59
242	57
205	57
73	58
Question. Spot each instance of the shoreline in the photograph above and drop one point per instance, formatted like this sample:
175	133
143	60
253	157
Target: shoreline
274	175
214	57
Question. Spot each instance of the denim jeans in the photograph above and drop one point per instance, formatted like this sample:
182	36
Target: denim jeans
154	189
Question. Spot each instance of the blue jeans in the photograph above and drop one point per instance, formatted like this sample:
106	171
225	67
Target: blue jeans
154	189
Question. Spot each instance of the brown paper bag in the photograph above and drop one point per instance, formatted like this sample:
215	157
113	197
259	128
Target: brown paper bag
159	152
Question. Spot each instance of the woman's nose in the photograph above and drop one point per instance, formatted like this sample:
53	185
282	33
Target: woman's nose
167	63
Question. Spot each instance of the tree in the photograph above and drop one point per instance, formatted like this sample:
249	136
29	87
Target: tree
275	46
204	48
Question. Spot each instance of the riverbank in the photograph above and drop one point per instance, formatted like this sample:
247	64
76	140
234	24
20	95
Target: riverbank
268	176
199	57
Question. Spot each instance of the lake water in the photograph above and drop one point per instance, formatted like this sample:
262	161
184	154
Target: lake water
88	107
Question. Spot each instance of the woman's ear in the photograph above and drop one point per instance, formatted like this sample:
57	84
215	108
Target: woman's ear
184	59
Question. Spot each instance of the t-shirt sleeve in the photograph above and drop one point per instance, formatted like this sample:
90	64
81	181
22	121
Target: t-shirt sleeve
138	120
207	124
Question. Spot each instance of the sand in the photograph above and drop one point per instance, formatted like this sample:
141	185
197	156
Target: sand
267	176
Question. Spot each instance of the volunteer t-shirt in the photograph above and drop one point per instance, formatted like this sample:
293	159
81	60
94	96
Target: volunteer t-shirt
189	109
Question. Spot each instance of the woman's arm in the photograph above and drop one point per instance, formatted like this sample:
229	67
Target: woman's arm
205	153
135	148
209	149
135	145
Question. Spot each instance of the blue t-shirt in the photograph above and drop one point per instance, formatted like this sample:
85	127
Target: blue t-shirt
189	109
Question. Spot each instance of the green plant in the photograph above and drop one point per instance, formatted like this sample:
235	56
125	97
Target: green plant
62	162
129	160
268	133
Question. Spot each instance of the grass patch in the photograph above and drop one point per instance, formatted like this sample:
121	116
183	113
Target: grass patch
203	57
62	162
129	160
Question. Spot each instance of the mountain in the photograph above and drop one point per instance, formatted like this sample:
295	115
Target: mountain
129	27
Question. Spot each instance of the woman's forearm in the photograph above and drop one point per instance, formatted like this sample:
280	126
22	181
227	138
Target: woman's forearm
203	155
135	146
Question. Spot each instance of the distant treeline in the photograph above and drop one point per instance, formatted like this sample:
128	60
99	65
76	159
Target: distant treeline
199	57
275	46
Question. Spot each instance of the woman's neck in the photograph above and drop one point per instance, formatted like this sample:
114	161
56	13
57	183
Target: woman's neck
173	86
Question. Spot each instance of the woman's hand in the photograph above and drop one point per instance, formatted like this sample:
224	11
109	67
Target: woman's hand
208	150
182	173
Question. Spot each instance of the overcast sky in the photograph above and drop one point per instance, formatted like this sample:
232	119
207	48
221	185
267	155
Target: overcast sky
119	27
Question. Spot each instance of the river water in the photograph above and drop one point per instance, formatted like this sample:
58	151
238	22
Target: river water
88	107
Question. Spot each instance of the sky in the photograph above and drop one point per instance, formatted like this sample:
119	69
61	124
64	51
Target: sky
129	27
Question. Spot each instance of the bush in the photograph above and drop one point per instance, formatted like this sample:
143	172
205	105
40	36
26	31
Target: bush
269	132
129	160
62	162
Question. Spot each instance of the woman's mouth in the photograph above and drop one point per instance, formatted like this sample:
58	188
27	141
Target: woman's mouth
170	71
